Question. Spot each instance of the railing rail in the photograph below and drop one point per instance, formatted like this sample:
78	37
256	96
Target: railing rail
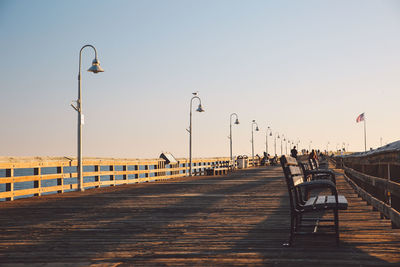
376	179
35	177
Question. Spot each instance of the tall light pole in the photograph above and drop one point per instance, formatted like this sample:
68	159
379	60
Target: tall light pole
266	138
95	68
230	130
276	133
252	138
283	139
199	109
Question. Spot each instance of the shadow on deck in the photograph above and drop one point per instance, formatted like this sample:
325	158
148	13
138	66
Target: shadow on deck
238	219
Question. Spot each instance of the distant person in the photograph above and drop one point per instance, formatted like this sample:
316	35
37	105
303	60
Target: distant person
313	155
293	152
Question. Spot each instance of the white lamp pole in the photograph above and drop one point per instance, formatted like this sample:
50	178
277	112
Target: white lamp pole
252	138
95	68
199	109
276	133
230	131
266	138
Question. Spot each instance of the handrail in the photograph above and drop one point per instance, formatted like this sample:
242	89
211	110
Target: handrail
384	190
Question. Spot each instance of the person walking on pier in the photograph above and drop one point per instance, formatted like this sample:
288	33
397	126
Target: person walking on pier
313	155
293	152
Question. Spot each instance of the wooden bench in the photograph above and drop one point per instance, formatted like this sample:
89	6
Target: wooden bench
315	165
301	204
314	174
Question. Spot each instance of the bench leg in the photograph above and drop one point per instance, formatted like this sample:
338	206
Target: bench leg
293	222
336	215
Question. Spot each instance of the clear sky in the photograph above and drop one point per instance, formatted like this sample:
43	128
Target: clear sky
307	69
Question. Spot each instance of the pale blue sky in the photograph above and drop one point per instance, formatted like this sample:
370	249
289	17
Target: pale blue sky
307	69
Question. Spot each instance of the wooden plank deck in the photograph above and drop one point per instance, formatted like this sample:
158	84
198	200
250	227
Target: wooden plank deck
238	219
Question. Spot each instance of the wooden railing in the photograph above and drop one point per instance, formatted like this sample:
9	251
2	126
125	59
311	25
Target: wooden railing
36	177
376	178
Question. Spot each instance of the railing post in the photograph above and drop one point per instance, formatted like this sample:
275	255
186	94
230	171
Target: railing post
147	174
137	168
112	178
60	181
37	183
125	169
10	186
97	177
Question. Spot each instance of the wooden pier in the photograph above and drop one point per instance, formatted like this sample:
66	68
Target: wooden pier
236	219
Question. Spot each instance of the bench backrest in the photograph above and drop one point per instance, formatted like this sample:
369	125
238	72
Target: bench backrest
293	176
314	164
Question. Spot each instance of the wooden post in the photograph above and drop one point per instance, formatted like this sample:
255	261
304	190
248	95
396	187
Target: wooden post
60	181
147	174
112	177
10	186
125	169
37	183
97	177
137	168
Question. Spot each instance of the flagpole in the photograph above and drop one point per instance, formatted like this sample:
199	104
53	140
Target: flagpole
365	135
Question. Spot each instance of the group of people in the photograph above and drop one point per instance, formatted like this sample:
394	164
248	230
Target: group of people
293	153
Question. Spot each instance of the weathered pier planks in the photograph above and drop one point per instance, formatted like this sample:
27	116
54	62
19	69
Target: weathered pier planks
237	219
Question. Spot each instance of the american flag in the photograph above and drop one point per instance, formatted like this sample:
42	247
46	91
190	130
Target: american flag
360	117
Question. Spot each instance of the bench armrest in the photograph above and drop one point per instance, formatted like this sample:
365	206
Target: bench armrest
319	184
327	173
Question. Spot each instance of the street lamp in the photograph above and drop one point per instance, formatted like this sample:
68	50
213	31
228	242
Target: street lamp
95	68
230	130
276	133
283	139
199	109
252	137
266	138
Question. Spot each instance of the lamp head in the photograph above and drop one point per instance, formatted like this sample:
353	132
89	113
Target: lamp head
257	129
95	68
200	109
237	121
270	134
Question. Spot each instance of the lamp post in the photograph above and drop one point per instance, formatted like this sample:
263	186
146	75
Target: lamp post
266	138
230	130
199	109
283	139
95	68
252	138
276	133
